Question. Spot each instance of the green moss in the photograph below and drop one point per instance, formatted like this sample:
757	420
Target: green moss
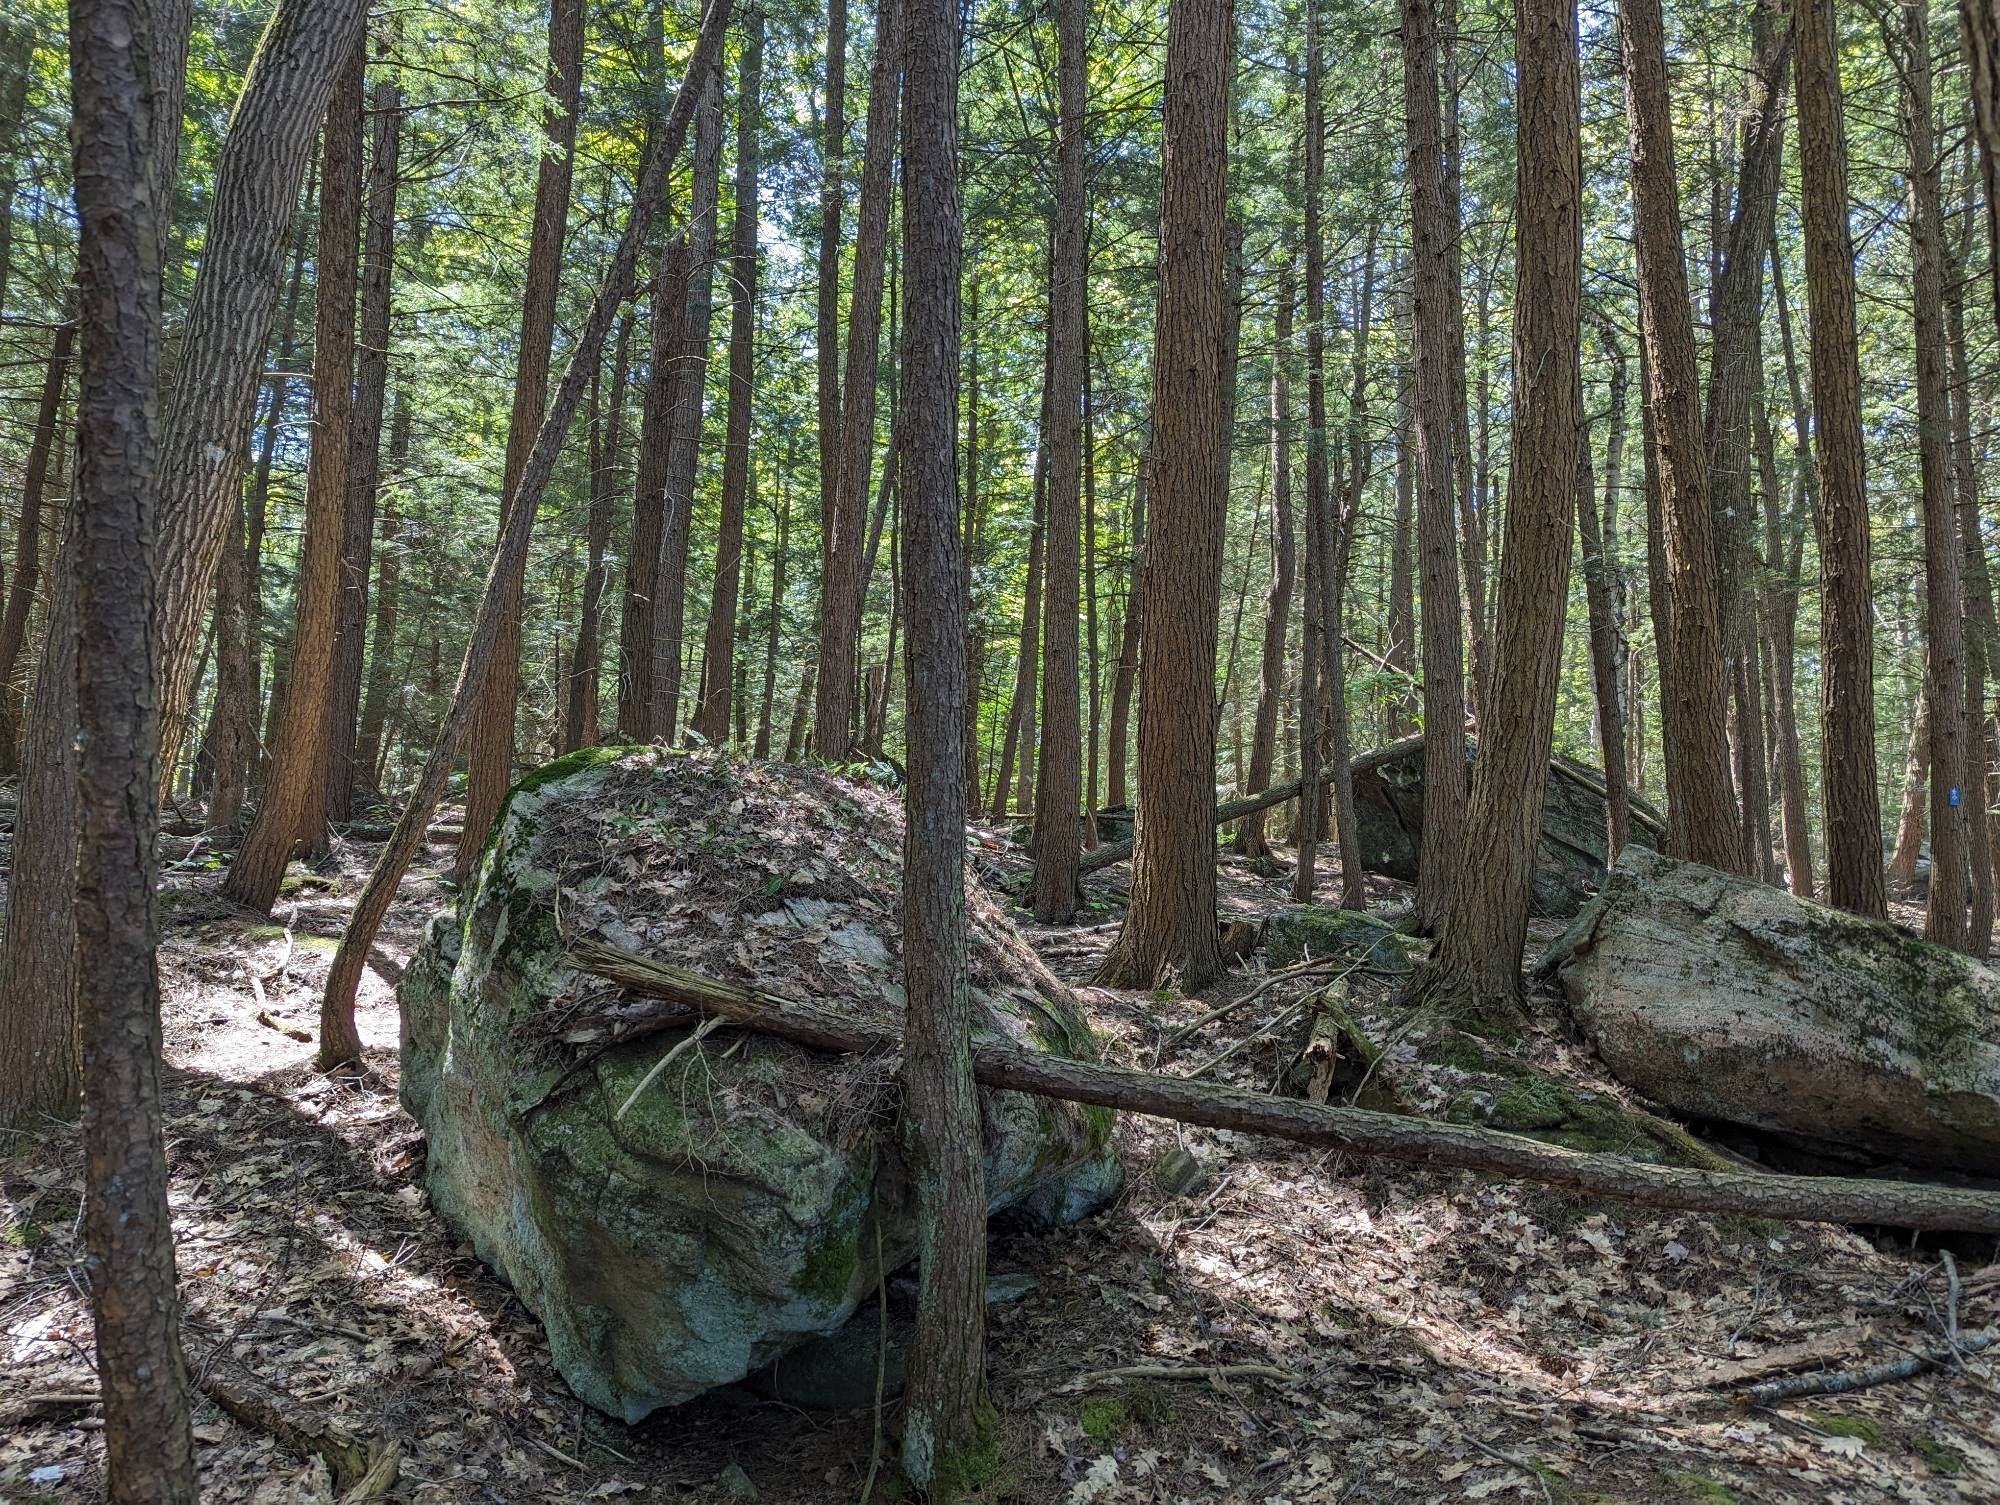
1937	1457
977	1470
1530	1104
1101	1121
1701	1489
299	883
1837	1425
575	762
1103	1419
1459	1051
20	1235
828	1270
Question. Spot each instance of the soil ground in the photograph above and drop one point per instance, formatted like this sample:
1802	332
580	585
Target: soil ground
1409	1336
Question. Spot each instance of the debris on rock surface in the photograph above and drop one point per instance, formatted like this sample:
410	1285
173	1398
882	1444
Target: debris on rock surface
680	1212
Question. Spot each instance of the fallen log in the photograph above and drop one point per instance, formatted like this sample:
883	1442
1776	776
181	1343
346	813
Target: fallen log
361	1471
1357	1131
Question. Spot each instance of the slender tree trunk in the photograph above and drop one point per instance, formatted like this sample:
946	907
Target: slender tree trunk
796	735
294	807
1169	930
832	209
369	748
649	496
1435	307
490	753
1606	670
1914	813
1339	552
946	1417
1946	915
1094	660
1312	645
371	388
1781	611
690	392
1477	964
846	525
580	727
780	559
1472	496
1284	572
28	539
1399	651
711	719
1126	675
119	134
1702	822
344	975
1019	739
972	530
1059	774
17	57
1847	783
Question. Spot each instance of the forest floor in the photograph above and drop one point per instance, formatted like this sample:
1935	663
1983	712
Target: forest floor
1410	1335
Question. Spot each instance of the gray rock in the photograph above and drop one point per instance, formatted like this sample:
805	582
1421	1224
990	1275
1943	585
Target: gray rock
1178	1172
736	1485
1727	999
681	1238
1316	931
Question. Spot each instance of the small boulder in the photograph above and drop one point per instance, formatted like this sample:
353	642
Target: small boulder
679	1212
1730	1000
1311	932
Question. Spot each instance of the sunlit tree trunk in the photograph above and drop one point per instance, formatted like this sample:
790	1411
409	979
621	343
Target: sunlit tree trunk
1284	571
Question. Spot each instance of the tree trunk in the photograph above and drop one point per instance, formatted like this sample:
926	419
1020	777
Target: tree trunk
580	727
711	720
1847	759
1599	570
1788	541
344	975
780	559
832	208
1125	676
119	133
1284	571
972	530
1169	930
490	753
798	733
649	487
1311	822
1339	552
1476	966
1914	813
1702	822
293	809
1399	651
690	393
1018	742
946	1417
1946	914
28	539
846	525
371	387
1435	305
369	746
1059	773
221	350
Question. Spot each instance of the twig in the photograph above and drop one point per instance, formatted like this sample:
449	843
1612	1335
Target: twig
1951	1289
1286	1017
1511	1461
1842	1382
881	1364
701	1030
1207	1372
558	1454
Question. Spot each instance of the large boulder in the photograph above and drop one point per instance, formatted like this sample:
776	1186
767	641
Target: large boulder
679	1212
1730	1000
1569	860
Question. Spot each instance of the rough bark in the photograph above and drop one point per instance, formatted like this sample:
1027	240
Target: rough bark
1169	930
491	749
1599	573
1847	758
946	1414
1953	794
1354	1131
711	719
1434	299
118	134
294	807
364	466
1702	820
1313	686
344	975
845	526
1059	772
580	713
1284	573
1475	965
1783	542
28	539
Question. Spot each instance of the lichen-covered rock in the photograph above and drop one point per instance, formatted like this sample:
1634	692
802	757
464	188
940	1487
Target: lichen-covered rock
1727	999
677	1228
1315	931
1569	859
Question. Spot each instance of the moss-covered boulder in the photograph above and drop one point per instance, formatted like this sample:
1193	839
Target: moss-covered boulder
680	1211
1730	1000
1570	858
1312	932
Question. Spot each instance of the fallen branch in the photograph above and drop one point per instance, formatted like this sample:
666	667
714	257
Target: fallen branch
1843	1382
1208	1373
361	1472
1357	1131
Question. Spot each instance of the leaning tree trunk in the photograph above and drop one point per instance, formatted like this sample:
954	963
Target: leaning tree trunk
28	539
